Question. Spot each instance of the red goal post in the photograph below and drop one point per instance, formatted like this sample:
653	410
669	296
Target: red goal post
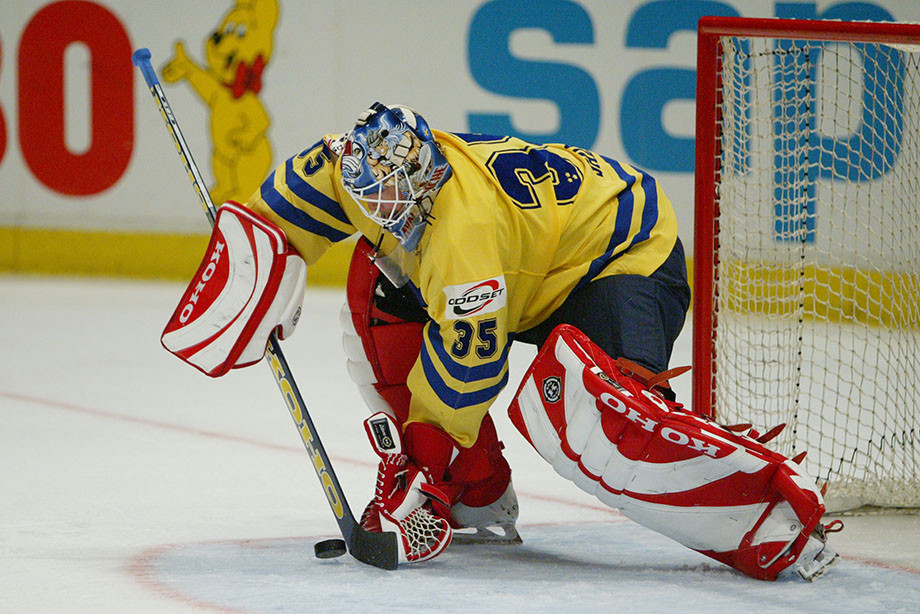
806	270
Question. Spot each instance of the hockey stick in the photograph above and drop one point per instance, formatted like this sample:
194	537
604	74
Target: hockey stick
377	549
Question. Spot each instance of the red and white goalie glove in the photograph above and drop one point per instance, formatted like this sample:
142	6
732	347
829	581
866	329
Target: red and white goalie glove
713	490
407	500
250	283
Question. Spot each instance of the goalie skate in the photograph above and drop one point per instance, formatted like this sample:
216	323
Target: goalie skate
489	524
817	556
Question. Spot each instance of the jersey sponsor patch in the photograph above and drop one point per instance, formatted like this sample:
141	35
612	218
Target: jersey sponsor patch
475	298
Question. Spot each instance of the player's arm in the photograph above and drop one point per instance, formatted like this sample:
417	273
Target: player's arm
461	368
301	198
437	454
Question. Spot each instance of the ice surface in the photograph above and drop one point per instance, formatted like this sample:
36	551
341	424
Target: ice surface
133	483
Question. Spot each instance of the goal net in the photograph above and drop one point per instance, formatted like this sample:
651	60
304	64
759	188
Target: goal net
807	245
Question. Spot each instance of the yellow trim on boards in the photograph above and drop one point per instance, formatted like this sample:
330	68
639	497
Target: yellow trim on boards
874	298
131	255
139	255
822	293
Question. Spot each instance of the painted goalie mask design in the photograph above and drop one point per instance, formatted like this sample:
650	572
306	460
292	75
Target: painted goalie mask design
391	164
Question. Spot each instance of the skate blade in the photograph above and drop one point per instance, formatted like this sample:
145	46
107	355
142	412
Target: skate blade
817	568
485	535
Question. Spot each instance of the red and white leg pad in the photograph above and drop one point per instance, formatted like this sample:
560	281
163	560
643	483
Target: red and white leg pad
715	491
380	348
250	283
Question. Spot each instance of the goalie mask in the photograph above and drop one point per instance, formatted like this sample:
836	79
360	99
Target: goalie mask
392	166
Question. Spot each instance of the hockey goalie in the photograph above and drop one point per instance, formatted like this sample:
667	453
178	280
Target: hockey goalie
471	243
610	427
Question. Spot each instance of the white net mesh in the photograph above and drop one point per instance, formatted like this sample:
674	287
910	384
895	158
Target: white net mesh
425	533
817	281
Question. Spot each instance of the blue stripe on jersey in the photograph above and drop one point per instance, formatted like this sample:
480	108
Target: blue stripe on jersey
625	205
480	138
280	205
461	372
308	193
650	212
451	397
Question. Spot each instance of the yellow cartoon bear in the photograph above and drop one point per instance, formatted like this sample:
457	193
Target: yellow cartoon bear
237	53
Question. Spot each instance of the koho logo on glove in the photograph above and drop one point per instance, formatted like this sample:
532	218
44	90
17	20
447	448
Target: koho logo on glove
205	277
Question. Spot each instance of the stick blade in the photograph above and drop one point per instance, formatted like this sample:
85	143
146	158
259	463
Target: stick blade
377	549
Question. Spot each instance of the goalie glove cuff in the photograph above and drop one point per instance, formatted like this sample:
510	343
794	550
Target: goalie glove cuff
250	283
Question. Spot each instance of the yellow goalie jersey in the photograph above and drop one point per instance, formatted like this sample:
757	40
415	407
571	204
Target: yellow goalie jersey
514	231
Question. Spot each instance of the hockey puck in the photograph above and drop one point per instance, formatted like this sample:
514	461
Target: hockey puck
329	548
